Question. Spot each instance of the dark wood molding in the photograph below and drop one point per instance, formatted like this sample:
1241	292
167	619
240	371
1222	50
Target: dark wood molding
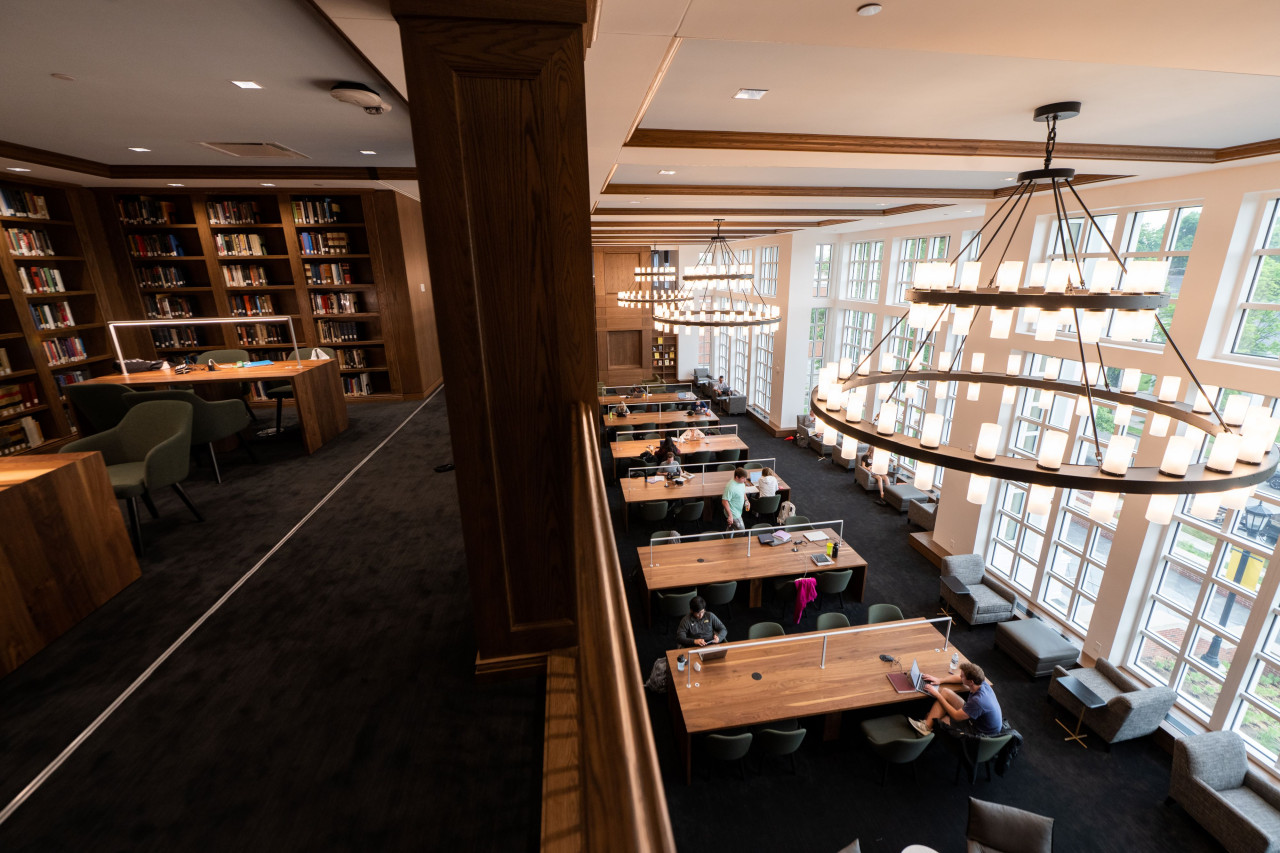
53	160
830	192
829	143
736	223
1262	148
712	212
506	11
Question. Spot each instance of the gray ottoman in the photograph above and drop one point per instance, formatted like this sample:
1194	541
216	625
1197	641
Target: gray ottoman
1035	646
898	495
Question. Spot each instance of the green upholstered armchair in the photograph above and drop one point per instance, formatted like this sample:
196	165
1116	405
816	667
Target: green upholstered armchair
211	420
149	449
97	407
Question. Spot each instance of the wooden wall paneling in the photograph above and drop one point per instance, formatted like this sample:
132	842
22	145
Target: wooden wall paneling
625	349
421	299
386	254
499	126
620	329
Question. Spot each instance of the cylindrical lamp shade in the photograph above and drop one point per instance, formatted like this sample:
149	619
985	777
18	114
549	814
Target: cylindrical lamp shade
829	438
1082	406
1014	365
1001	323
846	368
888	414
972	391
1124	414
1059	275
988	441
1115	460
1225	452
1160	508
1053	445
1007	394
1052	367
976	362
1146	276
879	461
1092	369
1038	274
849	449
1169	388
1237	499
1102	507
970	275
931	430
1040	500
835	397
1047	325
864	369
819	426
1091	325
1177	456
944	359
1206	505
963	320
823	388
1201	405
1158	426
1236	409
1122	325
1129	379
1259	435
942	390
1106	273
854	410
924	476
979	487
1144	325
1009	276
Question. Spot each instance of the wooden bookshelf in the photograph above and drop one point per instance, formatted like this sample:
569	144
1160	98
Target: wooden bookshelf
665	351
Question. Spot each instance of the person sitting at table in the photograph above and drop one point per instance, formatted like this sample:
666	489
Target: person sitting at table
636	391
978	715
878	479
692	434
659	453
720	386
621	410
768	483
700	409
669	464
698	627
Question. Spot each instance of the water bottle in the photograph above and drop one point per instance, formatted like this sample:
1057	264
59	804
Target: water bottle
680	663
955	661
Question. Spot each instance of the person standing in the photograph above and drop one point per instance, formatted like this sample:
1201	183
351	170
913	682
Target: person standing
734	500
978	715
698	627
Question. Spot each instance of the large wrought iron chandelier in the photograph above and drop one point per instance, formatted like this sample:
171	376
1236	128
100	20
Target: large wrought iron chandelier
1127	294
718	269
656	284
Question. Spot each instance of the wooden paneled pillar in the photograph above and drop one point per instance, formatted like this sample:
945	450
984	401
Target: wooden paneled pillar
495	88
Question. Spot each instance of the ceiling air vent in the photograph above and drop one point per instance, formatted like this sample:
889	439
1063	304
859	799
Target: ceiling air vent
256	149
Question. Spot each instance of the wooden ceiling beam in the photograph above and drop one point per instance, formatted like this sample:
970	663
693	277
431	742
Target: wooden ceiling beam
731	220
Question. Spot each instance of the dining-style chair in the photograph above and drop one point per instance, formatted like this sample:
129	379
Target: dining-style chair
832	621
834	583
877	613
769	741
211	420
728	748
716	594
98	407
764	630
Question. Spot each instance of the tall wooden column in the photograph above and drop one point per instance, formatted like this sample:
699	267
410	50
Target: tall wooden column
495	88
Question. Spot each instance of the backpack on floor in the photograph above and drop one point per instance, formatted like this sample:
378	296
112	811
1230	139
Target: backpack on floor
785	511
660	676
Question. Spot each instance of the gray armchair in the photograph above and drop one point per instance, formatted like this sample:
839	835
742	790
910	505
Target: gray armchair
980	603
1131	710
732	405
1213	781
997	828
922	512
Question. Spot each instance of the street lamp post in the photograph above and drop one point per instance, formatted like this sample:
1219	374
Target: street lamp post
1255	518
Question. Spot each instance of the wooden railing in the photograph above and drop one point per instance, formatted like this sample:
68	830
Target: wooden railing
623	803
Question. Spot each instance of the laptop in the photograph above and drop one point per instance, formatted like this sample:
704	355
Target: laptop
754	477
908	682
769	539
715	654
685	395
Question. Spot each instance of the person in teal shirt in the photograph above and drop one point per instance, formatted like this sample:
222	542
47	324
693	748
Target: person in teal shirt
735	500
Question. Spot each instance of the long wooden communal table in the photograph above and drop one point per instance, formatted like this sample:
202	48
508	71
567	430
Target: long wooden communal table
317	391
633	449
664	397
688	564
703	485
625	422
792	683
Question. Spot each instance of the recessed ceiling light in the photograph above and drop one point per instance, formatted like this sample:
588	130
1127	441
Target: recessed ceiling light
750	94
635	202
666	171
869	9
245	84
18	169
268	185
144	150
1008	179
881	204
66	77
368	152
177	185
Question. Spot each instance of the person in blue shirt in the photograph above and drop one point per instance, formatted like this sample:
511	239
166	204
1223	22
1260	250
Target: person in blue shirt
978	715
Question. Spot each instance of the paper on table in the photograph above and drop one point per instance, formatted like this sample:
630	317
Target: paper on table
815	535
657	479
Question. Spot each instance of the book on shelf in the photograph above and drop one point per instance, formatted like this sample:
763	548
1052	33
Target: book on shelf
31	428
51	315
161	276
70	377
154	246
335	303
245	305
176	337
145	210
16	202
326	243
357	386
29	242
352	359
337	331
233	213
62	350
319	211
13	439
245	275
327	275
162	306
5	365
260	334
40	280
18	397
239	245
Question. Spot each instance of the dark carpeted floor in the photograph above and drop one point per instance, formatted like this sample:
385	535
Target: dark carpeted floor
1101	801
328	705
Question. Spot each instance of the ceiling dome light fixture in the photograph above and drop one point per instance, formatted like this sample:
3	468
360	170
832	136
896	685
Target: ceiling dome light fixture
361	95
868	9
1242	452
718	268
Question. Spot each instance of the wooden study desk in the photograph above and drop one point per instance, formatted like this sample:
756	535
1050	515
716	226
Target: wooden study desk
688	564
709	485
792	683
633	449
317	391
625	422
664	397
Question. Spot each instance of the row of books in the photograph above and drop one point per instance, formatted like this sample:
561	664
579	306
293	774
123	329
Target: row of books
63	350
21	436
28	241
70	377
245	275
349	359
154	245
237	245
260	334
163	306
159	276
357	386
40	280
18	397
335	303
16	202
316	212
244	305
52	315
327	243
233	213
175	337
338	331
145	210
6	366
327	275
